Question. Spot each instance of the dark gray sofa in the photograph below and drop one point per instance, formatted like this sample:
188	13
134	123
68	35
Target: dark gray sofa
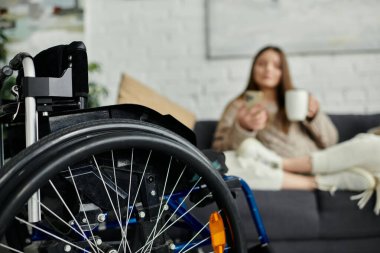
312	221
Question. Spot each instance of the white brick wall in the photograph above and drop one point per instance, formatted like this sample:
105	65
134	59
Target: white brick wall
163	44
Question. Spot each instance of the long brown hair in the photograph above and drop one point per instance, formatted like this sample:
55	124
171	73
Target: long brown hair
285	81
284	84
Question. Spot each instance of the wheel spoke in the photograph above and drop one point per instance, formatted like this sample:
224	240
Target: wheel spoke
182	202
170	195
116	187
164	227
161	201
192	239
138	188
195	236
10	248
135	199
64	222
84	210
125	233
71	214
118	205
198	243
105	188
48	233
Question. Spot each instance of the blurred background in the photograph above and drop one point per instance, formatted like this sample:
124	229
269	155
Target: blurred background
198	53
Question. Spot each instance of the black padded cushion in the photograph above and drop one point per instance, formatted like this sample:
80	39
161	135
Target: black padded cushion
286	214
306	215
53	62
350	125
340	217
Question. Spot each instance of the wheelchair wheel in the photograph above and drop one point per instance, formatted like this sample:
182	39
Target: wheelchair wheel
113	186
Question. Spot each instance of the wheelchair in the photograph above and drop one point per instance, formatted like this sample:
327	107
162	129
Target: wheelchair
111	179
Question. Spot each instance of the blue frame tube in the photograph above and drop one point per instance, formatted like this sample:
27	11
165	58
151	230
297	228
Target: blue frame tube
263	237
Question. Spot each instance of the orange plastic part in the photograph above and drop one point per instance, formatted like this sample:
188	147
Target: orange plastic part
217	232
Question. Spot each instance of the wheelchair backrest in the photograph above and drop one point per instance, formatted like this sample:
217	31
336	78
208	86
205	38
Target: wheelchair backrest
61	78
53	61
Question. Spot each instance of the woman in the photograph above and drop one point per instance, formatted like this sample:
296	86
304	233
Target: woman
253	133
267	121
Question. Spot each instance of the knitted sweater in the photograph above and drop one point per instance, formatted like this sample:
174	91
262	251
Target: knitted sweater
301	139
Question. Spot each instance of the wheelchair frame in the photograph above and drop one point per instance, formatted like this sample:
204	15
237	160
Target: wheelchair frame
36	87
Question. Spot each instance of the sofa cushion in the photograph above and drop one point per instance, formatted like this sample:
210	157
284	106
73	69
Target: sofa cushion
362	245
286	214
134	92
307	215
341	218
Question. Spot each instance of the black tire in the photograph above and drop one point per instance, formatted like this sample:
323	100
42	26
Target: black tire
50	162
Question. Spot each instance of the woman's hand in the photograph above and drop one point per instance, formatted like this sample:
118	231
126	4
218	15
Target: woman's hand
252	119
313	107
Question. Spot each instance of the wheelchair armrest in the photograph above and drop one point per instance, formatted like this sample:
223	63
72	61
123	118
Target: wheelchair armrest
217	159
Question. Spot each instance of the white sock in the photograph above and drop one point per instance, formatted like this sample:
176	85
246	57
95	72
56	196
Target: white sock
354	179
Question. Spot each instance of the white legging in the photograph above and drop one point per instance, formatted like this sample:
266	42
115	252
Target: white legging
362	151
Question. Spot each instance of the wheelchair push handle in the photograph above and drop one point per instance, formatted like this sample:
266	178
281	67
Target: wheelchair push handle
16	62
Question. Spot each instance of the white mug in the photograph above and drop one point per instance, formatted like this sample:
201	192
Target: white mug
296	104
